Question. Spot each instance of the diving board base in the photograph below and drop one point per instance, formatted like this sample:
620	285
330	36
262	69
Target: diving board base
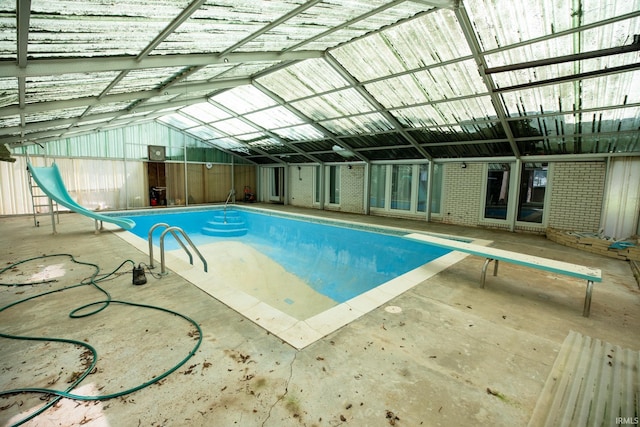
589	274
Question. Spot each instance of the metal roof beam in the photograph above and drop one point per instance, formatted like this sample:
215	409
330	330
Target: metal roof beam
571	78
23	15
125	96
570	31
474	46
57	66
633	47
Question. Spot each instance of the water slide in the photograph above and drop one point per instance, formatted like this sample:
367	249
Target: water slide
50	182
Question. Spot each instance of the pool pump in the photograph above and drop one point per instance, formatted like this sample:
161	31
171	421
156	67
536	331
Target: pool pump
138	275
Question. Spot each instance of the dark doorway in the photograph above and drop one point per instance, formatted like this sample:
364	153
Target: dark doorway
157	178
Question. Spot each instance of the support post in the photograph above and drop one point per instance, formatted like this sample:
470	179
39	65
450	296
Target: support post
484	270
587	299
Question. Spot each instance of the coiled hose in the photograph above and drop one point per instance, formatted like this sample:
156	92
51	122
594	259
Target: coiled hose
84	311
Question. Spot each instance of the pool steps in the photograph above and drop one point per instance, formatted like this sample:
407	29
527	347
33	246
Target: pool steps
231	225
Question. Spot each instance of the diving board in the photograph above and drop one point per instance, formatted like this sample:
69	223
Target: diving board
589	274
50	182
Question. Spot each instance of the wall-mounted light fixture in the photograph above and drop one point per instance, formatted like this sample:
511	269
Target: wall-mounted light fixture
463	165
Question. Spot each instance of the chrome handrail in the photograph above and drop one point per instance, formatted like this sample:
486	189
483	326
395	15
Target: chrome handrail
181	231
150	239
231	193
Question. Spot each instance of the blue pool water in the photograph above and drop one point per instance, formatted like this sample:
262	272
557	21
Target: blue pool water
335	260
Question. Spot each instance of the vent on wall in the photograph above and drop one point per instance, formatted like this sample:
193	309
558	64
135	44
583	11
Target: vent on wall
156	153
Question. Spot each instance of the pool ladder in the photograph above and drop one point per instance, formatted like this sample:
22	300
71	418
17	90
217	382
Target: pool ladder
174	232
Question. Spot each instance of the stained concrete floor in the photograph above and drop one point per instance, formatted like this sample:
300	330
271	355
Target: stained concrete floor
443	353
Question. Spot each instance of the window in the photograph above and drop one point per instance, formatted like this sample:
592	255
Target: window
401	177
436	189
334	185
497	196
404	187
317	186
378	186
423	181
533	185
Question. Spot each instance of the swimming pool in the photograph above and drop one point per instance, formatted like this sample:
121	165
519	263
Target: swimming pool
336	261
300	277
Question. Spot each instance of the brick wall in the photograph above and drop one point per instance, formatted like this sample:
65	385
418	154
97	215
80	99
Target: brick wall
462	193
301	188
352	188
577	190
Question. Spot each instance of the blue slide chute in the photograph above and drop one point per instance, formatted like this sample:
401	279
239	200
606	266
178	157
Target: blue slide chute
50	182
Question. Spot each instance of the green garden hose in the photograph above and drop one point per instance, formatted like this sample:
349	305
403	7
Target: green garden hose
80	312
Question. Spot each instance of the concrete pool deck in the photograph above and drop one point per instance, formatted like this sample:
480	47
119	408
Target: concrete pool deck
427	357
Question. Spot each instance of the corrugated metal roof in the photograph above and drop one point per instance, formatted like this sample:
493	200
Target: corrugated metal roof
276	80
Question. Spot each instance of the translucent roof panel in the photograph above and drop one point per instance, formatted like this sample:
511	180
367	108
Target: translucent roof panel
229	143
417	43
8	91
299	133
209	72
334	104
216	25
289	76
611	120
205	112
243	70
444	113
8	33
63	113
273	118
178	120
495	21
613	90
243	99
234	126
365	123
321	17
303	79
362	25
119	27
60	87
109	107
454	80
204	132
622	143
150	78
10	122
